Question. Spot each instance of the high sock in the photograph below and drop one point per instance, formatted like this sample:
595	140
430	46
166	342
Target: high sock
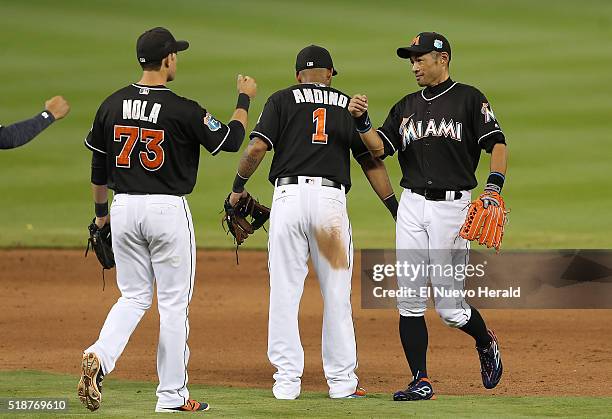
413	333
476	328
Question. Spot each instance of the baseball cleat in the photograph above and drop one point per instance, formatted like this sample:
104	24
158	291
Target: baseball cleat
491	367
90	384
190	406
420	389
359	393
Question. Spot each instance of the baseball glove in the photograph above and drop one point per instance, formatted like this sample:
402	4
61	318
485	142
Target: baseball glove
485	220
100	241
235	217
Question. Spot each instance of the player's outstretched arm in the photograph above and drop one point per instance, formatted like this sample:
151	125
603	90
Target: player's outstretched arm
229	137
247	90
377	175
358	107
21	133
251	158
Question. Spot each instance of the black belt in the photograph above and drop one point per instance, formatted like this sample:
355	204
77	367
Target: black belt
435	194
293	180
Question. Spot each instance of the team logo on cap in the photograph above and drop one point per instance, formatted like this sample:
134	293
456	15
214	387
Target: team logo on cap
487	112
438	43
211	122
415	41
309	64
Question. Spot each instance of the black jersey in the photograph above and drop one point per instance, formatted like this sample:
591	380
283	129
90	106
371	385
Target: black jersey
311	131
439	133
151	138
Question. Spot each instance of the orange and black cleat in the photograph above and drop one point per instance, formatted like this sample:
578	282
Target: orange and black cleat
190	406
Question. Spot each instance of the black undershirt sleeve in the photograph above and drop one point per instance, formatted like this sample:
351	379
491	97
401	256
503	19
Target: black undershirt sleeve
21	133
99	172
235	137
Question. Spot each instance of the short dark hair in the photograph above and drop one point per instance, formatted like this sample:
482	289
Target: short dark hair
152	66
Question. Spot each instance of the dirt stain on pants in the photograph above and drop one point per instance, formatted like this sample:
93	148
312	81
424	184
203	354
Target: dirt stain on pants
331	247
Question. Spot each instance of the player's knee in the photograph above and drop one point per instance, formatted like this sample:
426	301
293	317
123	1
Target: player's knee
454	317
412	312
141	302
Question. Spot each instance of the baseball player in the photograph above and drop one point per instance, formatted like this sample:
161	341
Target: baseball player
312	135
438	133
20	133
146	143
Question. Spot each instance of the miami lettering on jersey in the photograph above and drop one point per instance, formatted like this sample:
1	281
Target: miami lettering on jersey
137	109
412	131
307	95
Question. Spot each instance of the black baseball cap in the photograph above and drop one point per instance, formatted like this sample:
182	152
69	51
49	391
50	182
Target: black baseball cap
314	56
426	42
155	45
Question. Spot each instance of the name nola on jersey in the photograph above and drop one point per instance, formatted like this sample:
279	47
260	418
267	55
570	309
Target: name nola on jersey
412	131
137	109
306	95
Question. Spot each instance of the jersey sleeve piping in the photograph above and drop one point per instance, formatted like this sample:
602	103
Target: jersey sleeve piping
386	138
216	150
259	134
489	133
361	154
92	148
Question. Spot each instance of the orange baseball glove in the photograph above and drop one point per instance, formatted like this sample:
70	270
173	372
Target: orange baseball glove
485	220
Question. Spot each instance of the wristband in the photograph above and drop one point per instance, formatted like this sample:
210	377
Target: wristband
101	209
363	123
243	102
239	183
495	182
392	205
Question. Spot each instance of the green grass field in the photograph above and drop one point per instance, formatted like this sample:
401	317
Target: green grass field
137	399
543	65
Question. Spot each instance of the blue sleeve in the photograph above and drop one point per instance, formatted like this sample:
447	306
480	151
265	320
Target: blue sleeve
21	133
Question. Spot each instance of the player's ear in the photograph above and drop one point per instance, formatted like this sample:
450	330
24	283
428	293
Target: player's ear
444	57
298	76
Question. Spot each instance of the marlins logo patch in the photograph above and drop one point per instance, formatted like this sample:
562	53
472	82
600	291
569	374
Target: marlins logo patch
487	112
211	122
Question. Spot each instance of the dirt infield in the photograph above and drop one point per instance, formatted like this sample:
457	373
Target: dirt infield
53	306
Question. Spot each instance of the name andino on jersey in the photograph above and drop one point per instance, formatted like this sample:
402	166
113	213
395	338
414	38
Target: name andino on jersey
306	95
412	131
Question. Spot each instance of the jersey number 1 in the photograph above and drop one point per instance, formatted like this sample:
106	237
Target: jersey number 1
151	159
318	117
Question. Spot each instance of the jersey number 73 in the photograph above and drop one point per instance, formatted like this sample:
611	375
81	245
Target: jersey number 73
151	159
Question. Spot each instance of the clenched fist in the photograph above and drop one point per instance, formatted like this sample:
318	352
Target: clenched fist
247	85
358	105
58	106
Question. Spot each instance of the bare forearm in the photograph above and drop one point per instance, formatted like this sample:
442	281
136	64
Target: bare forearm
100	193
241	116
377	175
373	142
252	156
499	158
250	160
